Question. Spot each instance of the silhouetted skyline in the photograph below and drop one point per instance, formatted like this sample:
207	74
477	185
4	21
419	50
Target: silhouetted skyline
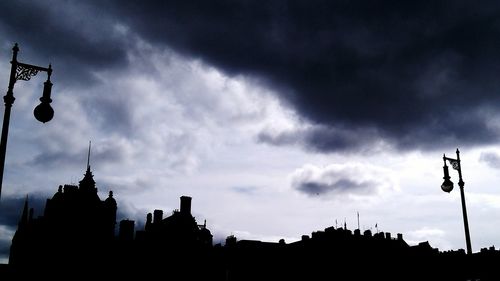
78	232
292	114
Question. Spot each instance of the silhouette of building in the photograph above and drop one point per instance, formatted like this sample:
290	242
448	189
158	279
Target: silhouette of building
178	230
77	231
76	225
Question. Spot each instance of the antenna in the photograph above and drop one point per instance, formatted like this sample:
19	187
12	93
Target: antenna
88	156
358	221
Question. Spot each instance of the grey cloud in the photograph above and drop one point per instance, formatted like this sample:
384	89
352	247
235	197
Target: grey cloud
340	186
112	112
128	211
102	154
56	159
245	190
492	159
339	180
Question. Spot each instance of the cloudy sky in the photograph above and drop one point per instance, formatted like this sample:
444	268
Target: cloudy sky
278	118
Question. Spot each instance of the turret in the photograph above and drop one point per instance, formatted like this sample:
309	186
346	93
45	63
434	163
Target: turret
110	207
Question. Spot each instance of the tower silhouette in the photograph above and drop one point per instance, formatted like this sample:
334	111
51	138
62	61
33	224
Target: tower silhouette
76	226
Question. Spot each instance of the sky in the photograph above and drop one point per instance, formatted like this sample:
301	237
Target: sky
279	118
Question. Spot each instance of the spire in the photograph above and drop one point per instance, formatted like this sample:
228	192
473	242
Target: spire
24	216
88	183
88	156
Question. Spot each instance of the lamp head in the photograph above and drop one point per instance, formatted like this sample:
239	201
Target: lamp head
44	112
447	185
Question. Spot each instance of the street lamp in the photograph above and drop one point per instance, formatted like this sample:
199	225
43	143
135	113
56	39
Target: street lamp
447	186
43	112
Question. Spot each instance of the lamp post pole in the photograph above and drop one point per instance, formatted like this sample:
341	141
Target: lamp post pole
448	186
43	112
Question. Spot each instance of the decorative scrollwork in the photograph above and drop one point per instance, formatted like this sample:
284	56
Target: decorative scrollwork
25	73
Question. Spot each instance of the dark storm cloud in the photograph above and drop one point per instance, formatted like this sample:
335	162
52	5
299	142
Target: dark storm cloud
323	138
492	159
76	38
415	74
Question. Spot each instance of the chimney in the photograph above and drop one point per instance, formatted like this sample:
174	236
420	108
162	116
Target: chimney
185	205
400	236
157	216
388	235
149	222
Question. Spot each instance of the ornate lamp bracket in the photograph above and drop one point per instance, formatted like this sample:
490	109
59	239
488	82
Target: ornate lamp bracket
26	71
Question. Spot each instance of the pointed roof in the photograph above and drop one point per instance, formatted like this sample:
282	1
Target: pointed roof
88	180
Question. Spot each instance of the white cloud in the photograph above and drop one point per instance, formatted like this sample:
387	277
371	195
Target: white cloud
437	237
